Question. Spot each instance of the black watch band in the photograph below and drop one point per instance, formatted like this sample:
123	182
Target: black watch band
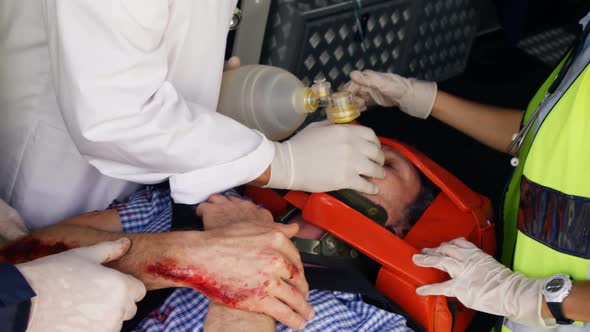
557	311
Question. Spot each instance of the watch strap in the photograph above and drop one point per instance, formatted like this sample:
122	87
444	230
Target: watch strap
557	311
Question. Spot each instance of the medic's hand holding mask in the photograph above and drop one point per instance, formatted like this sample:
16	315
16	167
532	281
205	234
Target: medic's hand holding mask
414	97
326	157
76	293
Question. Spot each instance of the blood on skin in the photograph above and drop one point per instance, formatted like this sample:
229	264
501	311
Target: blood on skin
293	270
30	248
197	278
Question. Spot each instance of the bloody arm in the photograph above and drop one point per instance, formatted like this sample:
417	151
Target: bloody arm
145	259
246	264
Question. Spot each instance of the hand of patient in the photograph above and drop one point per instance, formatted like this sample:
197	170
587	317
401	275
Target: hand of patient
250	262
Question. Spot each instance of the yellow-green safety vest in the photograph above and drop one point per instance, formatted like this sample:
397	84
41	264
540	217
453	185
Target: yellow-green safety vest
547	203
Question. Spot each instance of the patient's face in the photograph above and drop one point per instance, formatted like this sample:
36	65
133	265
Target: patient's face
397	190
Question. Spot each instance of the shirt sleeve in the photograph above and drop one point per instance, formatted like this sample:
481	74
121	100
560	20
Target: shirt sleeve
15	295
110	63
146	211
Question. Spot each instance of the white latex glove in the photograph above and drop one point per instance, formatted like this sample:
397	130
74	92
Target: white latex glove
12	226
482	283
412	96
325	157
76	293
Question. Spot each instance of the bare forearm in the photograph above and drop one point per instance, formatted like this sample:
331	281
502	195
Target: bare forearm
146	249
221	318
490	125
575	306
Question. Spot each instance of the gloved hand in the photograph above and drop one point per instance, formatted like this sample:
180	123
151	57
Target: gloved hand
76	293
414	97
482	283
12	226
325	157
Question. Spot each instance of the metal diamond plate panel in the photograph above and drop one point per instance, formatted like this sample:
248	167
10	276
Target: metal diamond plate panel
313	38
333	48
548	46
445	31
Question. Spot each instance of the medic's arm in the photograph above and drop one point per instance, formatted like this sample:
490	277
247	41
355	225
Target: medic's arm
489	125
110	63
575	306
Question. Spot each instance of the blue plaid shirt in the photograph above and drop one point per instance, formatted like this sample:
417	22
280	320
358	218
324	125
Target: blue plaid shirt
150	211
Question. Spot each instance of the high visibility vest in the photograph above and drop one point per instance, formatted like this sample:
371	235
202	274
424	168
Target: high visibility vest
547	204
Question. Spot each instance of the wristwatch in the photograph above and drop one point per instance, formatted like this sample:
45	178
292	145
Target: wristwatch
555	290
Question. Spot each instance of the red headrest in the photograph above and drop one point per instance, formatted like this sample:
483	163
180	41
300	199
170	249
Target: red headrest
457	211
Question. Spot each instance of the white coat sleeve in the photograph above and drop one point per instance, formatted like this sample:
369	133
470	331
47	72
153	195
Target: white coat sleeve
110	64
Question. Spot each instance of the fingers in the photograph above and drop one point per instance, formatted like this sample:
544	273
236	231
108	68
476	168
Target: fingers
358	77
372	79
291	255
217	199
211	201
370	169
463	243
366	79
202	208
135	287
294	299
443	288
282	313
352	87
294	276
363	185
364	132
105	252
289	230
459	249
137	291
361	103
130	312
232	63
445	250
373	152
446	264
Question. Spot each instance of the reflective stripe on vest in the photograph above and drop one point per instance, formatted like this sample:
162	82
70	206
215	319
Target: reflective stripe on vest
549	194
515	327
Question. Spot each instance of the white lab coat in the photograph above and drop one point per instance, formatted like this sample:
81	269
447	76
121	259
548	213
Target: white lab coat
96	96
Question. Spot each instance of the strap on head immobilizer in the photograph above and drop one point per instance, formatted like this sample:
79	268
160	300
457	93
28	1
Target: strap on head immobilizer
329	245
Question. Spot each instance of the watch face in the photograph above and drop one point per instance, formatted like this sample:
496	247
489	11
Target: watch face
554	285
